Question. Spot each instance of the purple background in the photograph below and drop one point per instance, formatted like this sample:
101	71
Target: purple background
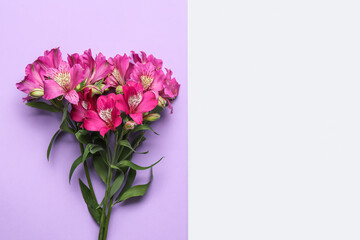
36	200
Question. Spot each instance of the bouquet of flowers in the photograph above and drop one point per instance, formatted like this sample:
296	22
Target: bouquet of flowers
107	104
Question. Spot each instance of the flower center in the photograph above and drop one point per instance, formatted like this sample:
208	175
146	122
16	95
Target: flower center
116	74
106	115
85	105
134	100
146	81
63	79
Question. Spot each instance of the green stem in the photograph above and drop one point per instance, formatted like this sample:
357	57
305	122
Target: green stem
106	200
108	218
87	174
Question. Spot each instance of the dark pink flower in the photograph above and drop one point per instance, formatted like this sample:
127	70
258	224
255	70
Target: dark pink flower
150	78
86	102
120	71
107	117
63	81
134	102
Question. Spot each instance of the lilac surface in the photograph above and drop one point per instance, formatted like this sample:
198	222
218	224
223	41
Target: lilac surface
36	200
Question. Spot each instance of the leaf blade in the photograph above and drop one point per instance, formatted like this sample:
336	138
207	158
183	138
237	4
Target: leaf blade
51	143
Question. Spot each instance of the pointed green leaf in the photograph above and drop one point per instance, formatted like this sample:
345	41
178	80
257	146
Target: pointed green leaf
129	182
64	125
90	202
76	163
86	152
136	191
132	165
126	143
144	127
83	136
100	167
43	106
95	148
51	143
117	184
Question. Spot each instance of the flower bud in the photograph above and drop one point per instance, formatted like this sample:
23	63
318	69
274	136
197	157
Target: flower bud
95	90
152	117
119	90
36	92
162	102
129	125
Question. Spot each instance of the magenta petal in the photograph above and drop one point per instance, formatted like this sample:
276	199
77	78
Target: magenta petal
102	68
93	122
72	96
77	76
52	90
137	117
78	113
104	130
148	103
122	104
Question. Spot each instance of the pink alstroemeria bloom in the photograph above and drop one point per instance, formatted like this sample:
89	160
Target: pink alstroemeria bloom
34	80
95	70
86	102
134	102
171	86
147	75
107	117
120	71
63	81
51	59
145	59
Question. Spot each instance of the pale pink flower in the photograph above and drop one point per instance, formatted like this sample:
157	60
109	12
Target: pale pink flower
120	73
63	82
33	81
150	78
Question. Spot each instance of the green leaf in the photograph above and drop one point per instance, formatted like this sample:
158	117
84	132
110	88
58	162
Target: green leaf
51	143
126	143
132	165
90	202
64	126
144	127
100	167
117	184
83	136
43	106
76	163
86	152
136	191
95	148
129	182
127	152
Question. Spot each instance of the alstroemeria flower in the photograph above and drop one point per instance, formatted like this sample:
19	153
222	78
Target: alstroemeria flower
147	75
63	82
33	81
134	102
171	86
145	59
51	59
95	70
120	70
86	102
107	117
